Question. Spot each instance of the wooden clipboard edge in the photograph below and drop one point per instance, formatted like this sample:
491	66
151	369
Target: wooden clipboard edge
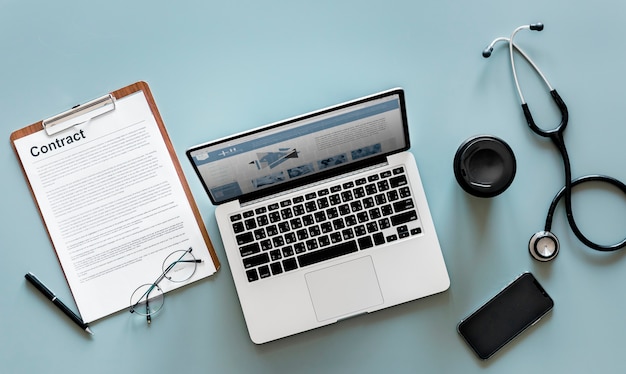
118	94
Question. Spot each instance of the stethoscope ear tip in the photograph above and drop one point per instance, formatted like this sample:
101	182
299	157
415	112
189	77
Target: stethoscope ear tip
536	26
543	246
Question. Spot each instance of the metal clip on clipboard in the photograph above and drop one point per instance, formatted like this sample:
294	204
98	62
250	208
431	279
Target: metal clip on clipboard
79	114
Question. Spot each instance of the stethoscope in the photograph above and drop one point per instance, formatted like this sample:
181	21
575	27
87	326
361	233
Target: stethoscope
544	245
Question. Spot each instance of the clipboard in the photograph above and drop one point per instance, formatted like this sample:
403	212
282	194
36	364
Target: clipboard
83	115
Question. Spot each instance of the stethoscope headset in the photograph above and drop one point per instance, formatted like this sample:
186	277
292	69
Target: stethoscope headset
544	245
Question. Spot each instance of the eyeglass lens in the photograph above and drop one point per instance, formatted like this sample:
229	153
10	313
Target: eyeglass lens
178	266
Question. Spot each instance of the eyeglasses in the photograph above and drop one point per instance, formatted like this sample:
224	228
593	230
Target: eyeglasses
177	267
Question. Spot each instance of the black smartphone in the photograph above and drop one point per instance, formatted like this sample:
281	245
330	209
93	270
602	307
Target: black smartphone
518	306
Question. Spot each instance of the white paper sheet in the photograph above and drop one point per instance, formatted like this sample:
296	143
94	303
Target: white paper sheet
113	205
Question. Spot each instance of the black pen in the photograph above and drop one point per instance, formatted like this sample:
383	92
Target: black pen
55	300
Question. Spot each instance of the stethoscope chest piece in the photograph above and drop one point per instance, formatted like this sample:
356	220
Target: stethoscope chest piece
543	246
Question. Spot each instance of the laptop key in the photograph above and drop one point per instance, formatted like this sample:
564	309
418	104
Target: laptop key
356	206
310	206
296	223
276	268
244	238
283	227
298	210
387	210
324	241
379	238
252	275
299	248
314	231
275	255
308	220
398	181
290	264
311	244
266	244
365	242
359	192
259	234
249	249
332	213
404	218
405	192
372	227
238	227
271	230
290	237
334	199
368	203
335	237
257	260
327	253
362	217
274	217
287	251
360	230
403	205
278	241
264	271
286	213
320	216
347	234
403	231
302	234
392	195
323	203
250	224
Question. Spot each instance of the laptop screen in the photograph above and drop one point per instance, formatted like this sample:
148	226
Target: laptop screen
298	150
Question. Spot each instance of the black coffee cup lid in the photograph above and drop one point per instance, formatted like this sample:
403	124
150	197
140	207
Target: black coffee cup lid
484	166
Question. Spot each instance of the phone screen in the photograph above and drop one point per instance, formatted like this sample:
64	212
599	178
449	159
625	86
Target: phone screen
506	315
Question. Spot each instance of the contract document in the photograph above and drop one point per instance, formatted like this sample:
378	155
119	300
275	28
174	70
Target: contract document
115	204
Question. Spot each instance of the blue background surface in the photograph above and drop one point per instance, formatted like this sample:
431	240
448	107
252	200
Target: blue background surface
216	68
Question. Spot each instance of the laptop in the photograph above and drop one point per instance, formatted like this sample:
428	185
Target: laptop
323	216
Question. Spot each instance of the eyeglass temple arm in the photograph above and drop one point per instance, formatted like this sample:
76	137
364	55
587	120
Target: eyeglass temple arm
160	278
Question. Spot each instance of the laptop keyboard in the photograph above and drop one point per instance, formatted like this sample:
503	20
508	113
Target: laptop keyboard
318	226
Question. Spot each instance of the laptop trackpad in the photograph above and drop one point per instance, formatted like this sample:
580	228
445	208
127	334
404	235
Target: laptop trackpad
344	289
